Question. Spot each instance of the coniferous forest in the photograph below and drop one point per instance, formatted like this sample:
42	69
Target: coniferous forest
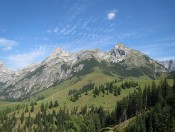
153	109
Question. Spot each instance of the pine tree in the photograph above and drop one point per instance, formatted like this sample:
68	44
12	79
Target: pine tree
144	97
50	105
29	121
56	103
111	88
84	110
88	124
42	107
86	93
119	90
174	86
97	123
150	125
32	108
116	92
102	116
22	118
27	109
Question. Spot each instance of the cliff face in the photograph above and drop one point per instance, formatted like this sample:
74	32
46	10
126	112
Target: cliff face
5	73
169	64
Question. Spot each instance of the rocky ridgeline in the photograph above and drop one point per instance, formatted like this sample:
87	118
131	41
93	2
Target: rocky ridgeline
61	65
5	73
169	64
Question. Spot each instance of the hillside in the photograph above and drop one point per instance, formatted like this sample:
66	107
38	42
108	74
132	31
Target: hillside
100	102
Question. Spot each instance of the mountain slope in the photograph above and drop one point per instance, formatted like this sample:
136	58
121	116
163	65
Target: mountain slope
60	65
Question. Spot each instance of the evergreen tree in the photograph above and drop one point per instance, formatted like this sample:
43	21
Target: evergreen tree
27	109
97	122
42	107
116	92
102	116
119	90
88	124
84	110
22	118
29	121
32	108
47	106
174	86
56	103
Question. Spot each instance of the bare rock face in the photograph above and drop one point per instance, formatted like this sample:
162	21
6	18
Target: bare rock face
169	64
61	65
119	53
5	73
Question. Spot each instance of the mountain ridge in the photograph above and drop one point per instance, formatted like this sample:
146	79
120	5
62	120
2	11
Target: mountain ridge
61	65
169	64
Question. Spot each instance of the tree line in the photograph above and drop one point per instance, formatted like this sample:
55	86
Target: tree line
107	88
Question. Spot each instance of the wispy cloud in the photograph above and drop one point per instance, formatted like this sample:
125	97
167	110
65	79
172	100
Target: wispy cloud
112	14
19	61
77	8
66	30
7	44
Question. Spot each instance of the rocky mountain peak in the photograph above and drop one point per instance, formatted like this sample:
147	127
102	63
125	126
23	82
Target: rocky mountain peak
119	45
169	64
5	73
59	56
119	53
59	52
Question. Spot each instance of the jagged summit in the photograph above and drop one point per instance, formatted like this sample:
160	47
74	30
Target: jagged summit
120	45
169	64
60	52
5	73
119	53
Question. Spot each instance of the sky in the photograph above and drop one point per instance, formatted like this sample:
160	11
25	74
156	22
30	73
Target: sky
31	29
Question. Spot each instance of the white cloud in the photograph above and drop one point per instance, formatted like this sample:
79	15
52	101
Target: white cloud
111	15
20	61
7	48
7	44
66	30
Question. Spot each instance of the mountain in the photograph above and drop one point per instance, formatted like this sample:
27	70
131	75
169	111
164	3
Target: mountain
169	64
5	74
61	65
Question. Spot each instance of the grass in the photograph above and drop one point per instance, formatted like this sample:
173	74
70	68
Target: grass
60	92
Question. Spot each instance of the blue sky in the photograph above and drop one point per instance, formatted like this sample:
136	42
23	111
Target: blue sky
31	29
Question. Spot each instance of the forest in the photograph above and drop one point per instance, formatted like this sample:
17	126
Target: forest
153	109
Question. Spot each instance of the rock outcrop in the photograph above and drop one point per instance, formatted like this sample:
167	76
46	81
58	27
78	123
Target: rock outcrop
169	64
